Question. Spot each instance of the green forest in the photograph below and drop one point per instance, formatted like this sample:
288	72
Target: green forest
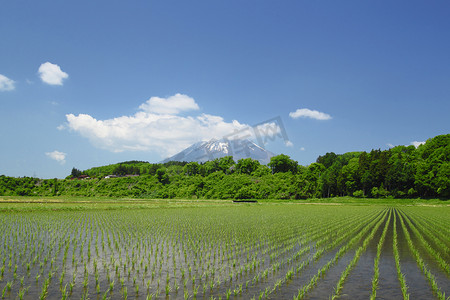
400	172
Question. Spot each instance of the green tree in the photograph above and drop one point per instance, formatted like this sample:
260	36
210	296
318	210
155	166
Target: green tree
192	168
75	172
283	163
348	179
431	177
328	159
211	166
120	170
400	175
247	166
261	171
311	180
329	181
55	187
225	164
162	176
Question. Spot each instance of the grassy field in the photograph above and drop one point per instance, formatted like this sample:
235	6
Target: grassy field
80	248
14	203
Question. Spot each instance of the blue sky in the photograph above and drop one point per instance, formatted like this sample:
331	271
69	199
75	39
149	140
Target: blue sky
90	83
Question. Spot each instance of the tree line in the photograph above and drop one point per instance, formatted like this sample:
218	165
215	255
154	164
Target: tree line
400	172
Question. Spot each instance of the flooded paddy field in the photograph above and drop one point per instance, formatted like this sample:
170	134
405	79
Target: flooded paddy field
240	251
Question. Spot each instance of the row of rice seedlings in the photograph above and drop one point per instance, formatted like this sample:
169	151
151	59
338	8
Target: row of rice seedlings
22	248
295	270
270	272
20	242
302	292
75	244
400	275
47	258
430	277
273	265
286	249
436	255
257	276
263	273
343	234
254	261
317	235
436	236
356	257
132	252
376	272
438	220
294	267
81	248
333	232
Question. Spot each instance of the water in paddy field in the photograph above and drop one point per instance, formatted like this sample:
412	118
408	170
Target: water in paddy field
388	285
173	253
359	282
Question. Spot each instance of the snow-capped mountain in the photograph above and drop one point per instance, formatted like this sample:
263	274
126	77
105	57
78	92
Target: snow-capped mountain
238	148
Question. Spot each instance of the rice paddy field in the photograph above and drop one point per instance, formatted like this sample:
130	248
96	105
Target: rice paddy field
224	251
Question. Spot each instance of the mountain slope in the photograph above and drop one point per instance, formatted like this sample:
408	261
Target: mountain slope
210	150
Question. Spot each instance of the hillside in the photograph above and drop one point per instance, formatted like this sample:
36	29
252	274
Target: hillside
124	168
400	172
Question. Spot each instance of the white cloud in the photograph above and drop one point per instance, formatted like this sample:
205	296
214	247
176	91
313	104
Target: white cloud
155	127
6	84
52	74
390	145
58	156
171	105
308	113
302	149
417	144
289	144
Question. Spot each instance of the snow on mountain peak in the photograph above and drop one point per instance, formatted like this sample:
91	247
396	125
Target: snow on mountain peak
210	150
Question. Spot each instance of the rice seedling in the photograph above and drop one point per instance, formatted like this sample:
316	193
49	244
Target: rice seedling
9	285
3	292
377	259
125	293
21	293
321	272
400	275
354	261
44	291
210	252
430	277
64	292
442	263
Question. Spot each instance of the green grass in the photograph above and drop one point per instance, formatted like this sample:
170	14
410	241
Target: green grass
16	203
98	203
